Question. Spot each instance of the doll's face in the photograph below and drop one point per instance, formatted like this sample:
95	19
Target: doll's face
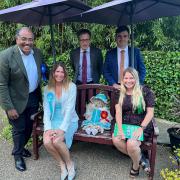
99	103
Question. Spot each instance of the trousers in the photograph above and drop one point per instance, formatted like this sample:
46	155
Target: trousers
22	127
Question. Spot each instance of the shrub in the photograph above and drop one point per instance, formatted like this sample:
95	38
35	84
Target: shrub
163	77
174	173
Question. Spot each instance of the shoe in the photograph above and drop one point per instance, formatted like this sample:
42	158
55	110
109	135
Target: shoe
64	174
134	172
88	131
94	132
20	164
144	162
26	153
71	172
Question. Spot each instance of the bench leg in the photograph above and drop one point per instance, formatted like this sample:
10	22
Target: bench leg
35	147
153	157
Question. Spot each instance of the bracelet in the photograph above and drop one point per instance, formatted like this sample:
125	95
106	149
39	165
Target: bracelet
143	127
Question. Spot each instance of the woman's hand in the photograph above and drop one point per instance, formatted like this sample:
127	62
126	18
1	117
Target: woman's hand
58	134
121	135
49	133
138	133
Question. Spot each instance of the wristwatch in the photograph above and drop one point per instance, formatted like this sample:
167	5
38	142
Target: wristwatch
143	127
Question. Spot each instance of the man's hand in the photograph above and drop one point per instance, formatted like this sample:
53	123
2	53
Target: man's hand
12	114
116	86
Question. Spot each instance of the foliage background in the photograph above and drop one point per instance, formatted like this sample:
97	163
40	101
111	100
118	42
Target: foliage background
159	40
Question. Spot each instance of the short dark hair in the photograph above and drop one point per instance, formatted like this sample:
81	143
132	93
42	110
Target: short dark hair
23	28
83	31
121	29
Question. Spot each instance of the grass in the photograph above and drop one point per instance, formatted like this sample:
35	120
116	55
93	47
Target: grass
5	126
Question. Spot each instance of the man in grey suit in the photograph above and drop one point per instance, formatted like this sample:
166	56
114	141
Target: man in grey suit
20	76
86	61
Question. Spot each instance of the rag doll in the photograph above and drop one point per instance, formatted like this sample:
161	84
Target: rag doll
97	115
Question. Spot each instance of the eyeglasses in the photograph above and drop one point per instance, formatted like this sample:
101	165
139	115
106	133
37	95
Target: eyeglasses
25	39
84	40
122	36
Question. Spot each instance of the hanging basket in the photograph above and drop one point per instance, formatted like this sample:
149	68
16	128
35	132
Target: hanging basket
174	135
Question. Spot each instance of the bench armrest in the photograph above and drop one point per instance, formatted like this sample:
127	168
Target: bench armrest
37	116
37	119
156	129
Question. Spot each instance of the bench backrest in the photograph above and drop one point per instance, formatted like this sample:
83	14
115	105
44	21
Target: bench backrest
85	92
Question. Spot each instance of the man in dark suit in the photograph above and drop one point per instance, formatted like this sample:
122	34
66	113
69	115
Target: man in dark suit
20	76
86	61
113	60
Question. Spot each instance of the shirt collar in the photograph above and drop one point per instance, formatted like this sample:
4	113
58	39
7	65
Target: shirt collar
125	49
87	50
22	54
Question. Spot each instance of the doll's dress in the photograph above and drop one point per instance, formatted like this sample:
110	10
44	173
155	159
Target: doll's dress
95	120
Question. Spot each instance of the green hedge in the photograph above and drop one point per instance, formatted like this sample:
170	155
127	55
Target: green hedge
163	76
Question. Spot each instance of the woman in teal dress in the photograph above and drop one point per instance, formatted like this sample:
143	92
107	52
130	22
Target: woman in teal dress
60	118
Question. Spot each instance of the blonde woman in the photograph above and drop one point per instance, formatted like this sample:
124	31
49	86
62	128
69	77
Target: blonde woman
60	119
135	107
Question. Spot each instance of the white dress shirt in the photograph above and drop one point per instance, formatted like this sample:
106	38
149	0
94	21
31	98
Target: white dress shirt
89	77
31	69
126	60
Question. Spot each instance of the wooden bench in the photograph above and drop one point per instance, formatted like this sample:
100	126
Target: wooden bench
84	93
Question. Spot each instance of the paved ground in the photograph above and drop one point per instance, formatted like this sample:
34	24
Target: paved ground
94	162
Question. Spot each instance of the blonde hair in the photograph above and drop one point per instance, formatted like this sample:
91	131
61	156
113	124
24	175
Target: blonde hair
52	82
137	96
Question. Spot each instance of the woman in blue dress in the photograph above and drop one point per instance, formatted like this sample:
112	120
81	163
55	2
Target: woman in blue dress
60	118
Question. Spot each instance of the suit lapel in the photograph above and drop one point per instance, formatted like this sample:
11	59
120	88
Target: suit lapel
18	59
129	53
77	57
36	57
115	62
92	58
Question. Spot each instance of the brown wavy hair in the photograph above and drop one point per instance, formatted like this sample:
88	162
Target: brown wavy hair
52	82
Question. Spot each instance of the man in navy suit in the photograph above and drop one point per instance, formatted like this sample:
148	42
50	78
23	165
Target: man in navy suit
111	70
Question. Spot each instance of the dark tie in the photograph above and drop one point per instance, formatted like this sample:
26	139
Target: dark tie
84	68
122	64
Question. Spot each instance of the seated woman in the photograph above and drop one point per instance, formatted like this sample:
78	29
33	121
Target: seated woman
60	118
135	107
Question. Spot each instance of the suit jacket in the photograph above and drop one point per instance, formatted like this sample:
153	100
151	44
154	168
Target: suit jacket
68	100
96	61
14	85
110	68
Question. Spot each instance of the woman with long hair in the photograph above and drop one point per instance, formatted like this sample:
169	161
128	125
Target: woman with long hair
135	107
60	118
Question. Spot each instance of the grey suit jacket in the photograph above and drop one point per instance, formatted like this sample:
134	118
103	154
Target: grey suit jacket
96	59
14	85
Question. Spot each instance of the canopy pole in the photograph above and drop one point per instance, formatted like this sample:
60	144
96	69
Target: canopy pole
52	35
132	46
132	36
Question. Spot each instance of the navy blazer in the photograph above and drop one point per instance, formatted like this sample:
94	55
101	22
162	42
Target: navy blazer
110	68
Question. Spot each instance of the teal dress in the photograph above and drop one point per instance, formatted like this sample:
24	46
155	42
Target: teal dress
57	119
